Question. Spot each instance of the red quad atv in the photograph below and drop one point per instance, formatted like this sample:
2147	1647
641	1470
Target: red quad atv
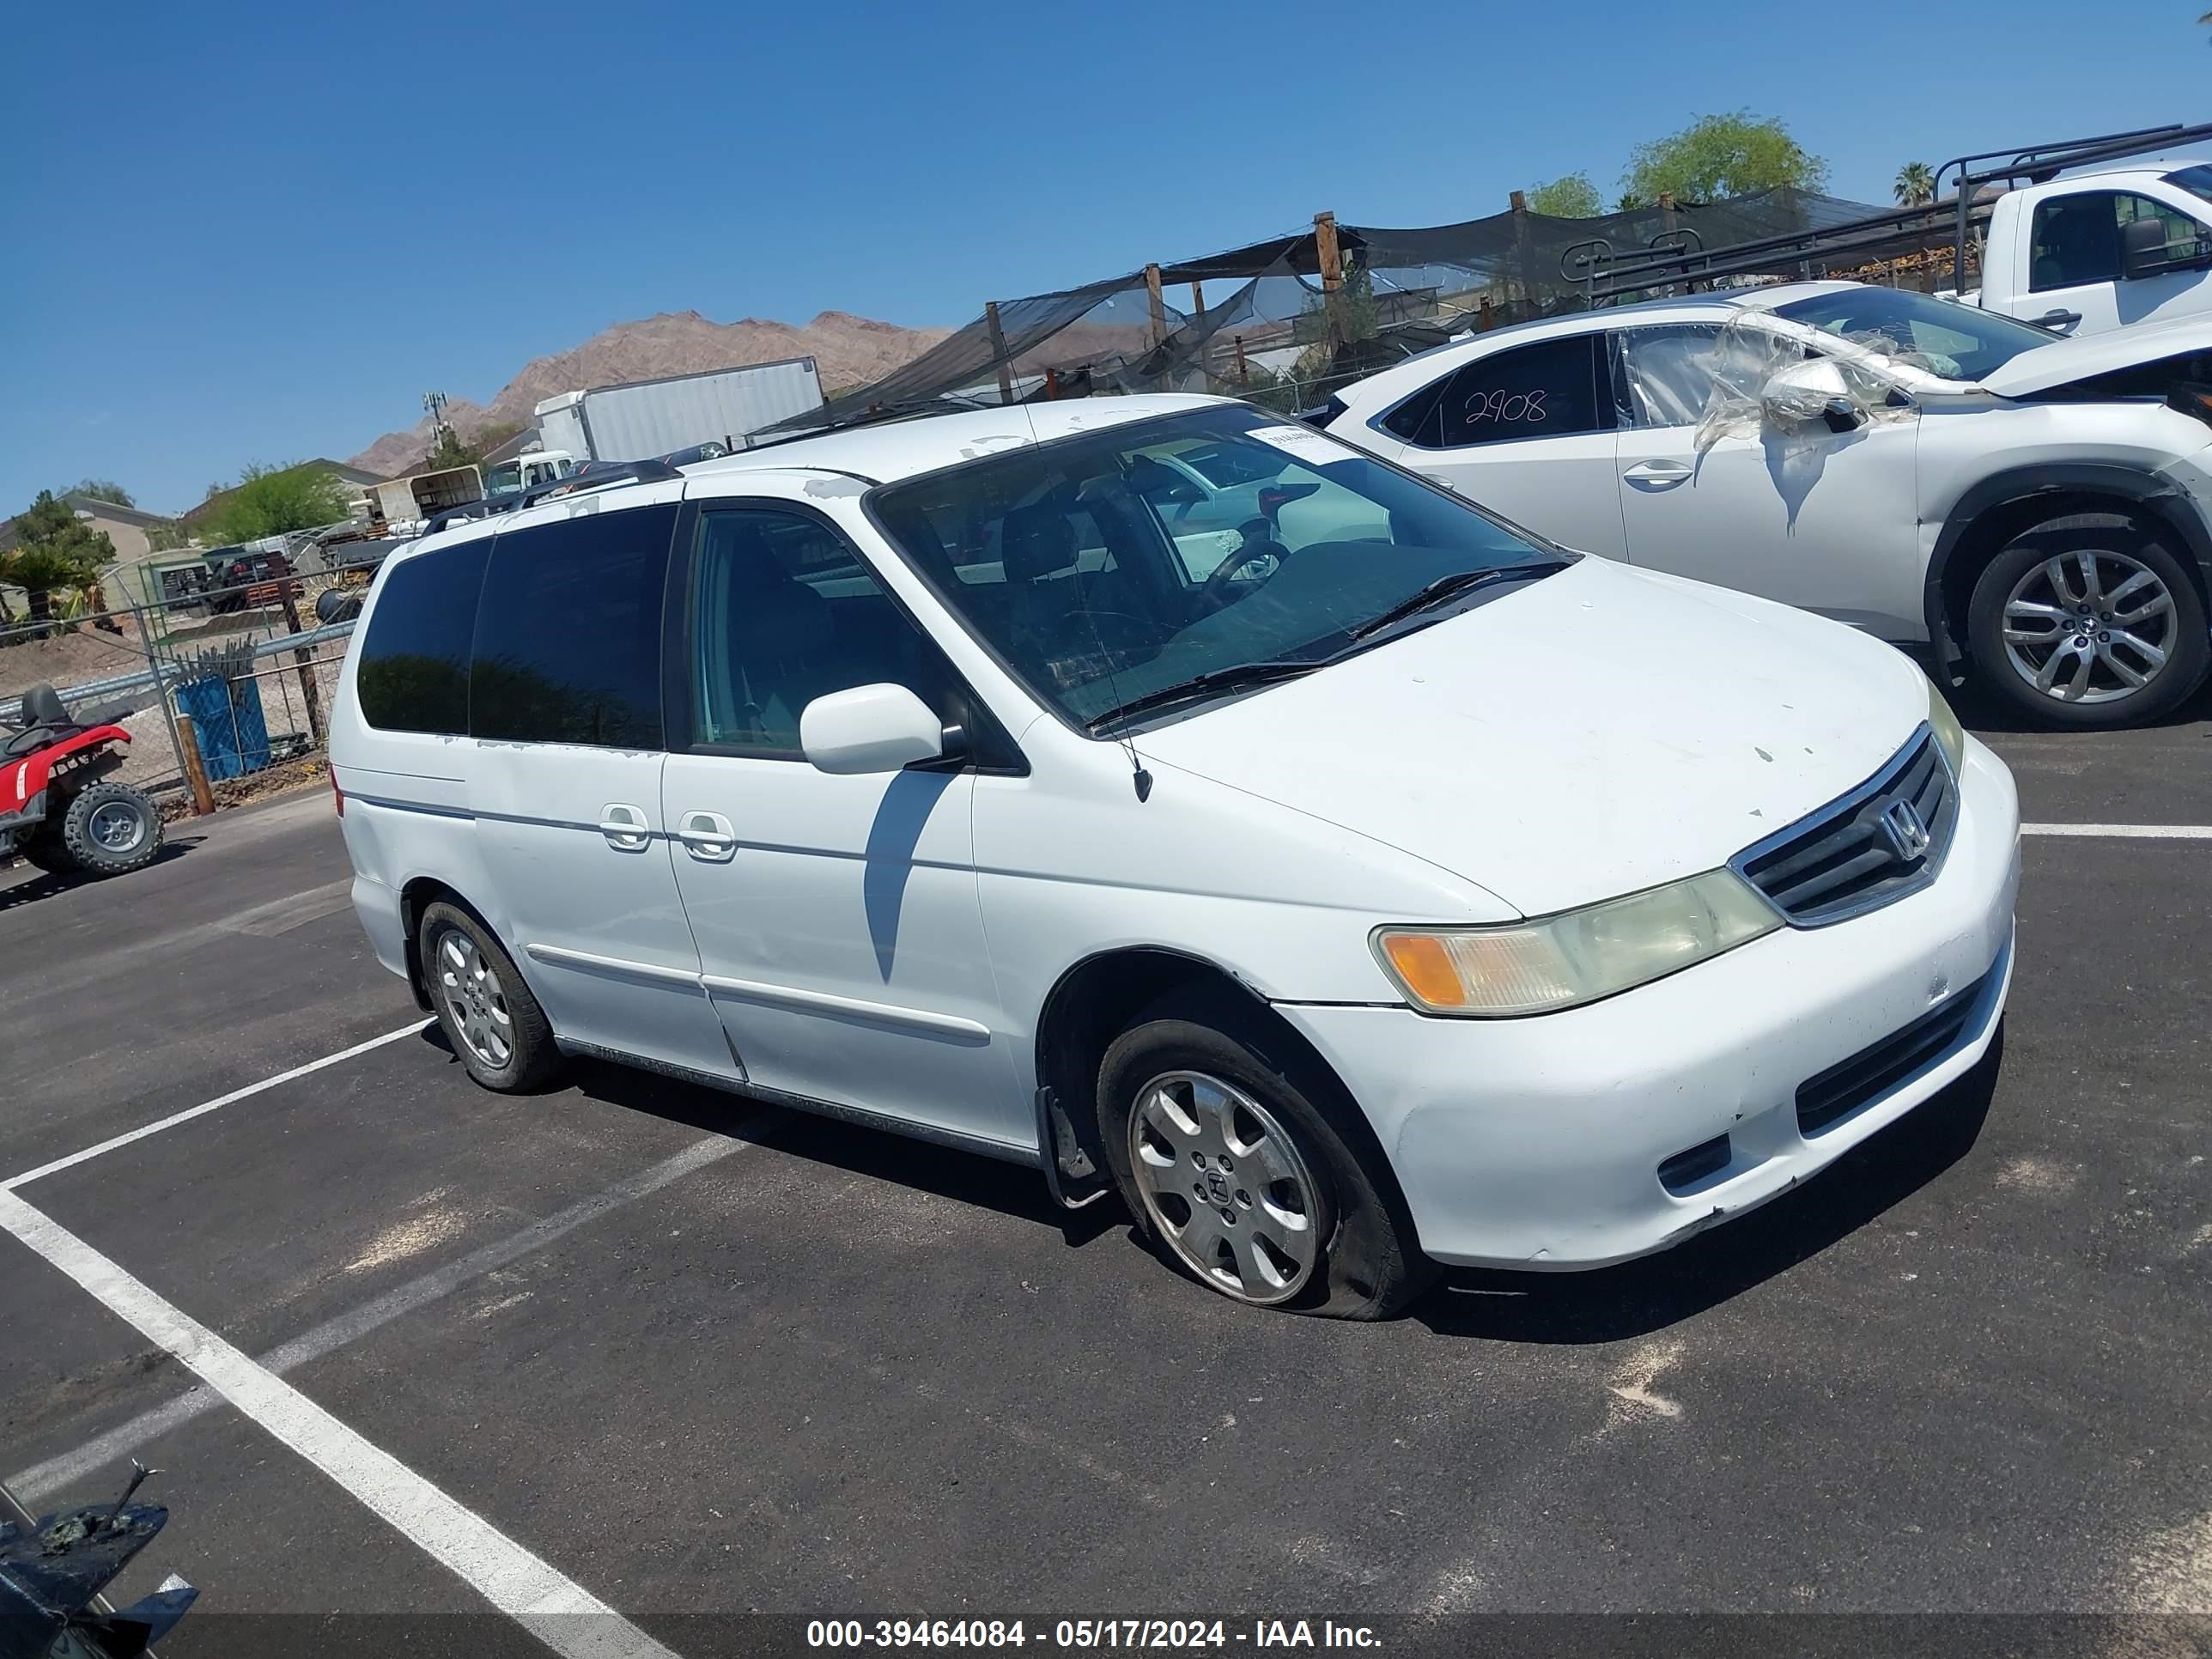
57	807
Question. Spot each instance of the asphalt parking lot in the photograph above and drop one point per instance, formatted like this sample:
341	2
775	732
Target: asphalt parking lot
692	1356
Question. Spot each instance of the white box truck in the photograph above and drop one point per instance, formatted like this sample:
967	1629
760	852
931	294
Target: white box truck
651	418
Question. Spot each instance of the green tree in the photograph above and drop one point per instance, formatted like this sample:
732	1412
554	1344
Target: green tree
1718	155
55	552
103	489
1915	185
1569	197
451	450
269	501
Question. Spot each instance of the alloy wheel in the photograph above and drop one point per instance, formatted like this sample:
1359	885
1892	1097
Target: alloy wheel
2089	626
475	1001
1226	1185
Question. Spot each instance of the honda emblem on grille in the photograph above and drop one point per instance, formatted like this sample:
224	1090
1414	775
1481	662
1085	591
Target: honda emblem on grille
1908	836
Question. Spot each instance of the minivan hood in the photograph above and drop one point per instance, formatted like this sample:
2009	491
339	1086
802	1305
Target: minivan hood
2079	356
1593	733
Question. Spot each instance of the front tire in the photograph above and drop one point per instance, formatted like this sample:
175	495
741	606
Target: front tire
2089	622
109	830
1244	1164
493	1025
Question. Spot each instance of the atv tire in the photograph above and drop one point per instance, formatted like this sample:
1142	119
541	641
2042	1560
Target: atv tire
110	829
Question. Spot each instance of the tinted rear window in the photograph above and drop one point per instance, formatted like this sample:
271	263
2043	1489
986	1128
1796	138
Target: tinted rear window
568	649
414	671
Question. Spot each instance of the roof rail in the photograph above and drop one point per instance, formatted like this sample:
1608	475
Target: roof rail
614	472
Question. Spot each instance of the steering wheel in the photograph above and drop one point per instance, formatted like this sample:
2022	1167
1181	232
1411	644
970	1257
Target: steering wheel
1260	543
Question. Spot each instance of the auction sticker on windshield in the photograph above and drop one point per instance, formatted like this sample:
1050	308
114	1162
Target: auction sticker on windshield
1304	443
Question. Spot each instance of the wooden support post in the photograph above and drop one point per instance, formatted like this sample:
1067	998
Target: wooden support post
188	743
1159	303
1051	384
1524	258
306	661
1198	309
1330	259
1489	314
1243	369
999	352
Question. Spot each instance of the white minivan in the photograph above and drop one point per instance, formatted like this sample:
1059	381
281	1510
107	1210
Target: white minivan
1388	888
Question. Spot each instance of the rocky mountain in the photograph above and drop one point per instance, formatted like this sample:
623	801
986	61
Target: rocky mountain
848	351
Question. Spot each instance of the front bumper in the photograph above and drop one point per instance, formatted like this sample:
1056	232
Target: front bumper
1538	1143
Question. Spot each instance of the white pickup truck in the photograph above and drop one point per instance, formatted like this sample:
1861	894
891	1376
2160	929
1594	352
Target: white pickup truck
2096	250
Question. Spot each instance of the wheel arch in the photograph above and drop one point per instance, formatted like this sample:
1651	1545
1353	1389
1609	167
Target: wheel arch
1099	998
1989	515
416	895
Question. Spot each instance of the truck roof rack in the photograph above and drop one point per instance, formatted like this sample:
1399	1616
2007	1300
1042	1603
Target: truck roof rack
1680	255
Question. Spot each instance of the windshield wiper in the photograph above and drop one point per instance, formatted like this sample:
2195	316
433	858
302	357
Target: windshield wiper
1238	676
1448	587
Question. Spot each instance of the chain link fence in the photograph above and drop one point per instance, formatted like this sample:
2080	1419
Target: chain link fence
223	682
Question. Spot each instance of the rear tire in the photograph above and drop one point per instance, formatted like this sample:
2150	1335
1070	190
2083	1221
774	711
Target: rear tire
1293	1205
492	1023
2095	588
44	849
110	829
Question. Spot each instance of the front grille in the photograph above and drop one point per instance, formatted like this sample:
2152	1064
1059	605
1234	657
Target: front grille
1876	1071
1885	839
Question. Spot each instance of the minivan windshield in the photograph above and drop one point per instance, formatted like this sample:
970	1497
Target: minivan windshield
1140	572
1959	343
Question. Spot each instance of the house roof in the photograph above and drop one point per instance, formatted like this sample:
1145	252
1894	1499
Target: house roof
114	511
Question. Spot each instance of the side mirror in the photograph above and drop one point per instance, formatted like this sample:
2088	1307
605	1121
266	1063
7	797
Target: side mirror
1812	391
2142	249
870	728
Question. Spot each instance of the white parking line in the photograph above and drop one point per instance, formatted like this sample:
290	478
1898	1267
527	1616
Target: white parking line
2132	831
559	1611
205	1106
104	1450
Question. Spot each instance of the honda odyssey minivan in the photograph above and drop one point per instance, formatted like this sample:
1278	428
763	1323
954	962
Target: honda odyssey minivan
1365	885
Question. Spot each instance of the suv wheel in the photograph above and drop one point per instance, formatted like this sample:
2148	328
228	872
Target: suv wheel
2088	621
494	1024
1246	1173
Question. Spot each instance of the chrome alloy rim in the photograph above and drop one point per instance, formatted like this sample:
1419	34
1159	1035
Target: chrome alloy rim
474	1000
1225	1184
117	826
2089	626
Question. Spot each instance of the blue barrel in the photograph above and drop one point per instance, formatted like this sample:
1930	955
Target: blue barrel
228	719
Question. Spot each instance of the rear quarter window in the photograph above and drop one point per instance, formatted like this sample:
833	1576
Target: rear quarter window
413	675
567	643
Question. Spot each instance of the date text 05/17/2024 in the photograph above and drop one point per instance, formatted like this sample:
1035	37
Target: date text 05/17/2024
1084	1634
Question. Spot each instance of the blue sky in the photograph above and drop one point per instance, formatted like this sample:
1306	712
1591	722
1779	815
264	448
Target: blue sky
210	258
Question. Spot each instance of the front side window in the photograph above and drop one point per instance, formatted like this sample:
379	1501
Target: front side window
567	643
1547	390
2075	241
782	612
1057	559
414	670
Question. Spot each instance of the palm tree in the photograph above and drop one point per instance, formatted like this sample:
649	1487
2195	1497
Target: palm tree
1916	185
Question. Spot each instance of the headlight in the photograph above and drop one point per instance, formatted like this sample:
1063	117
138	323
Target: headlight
1535	967
1950	736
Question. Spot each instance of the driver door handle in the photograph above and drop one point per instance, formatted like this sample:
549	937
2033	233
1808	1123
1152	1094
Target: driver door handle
2059	318
1657	472
708	836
